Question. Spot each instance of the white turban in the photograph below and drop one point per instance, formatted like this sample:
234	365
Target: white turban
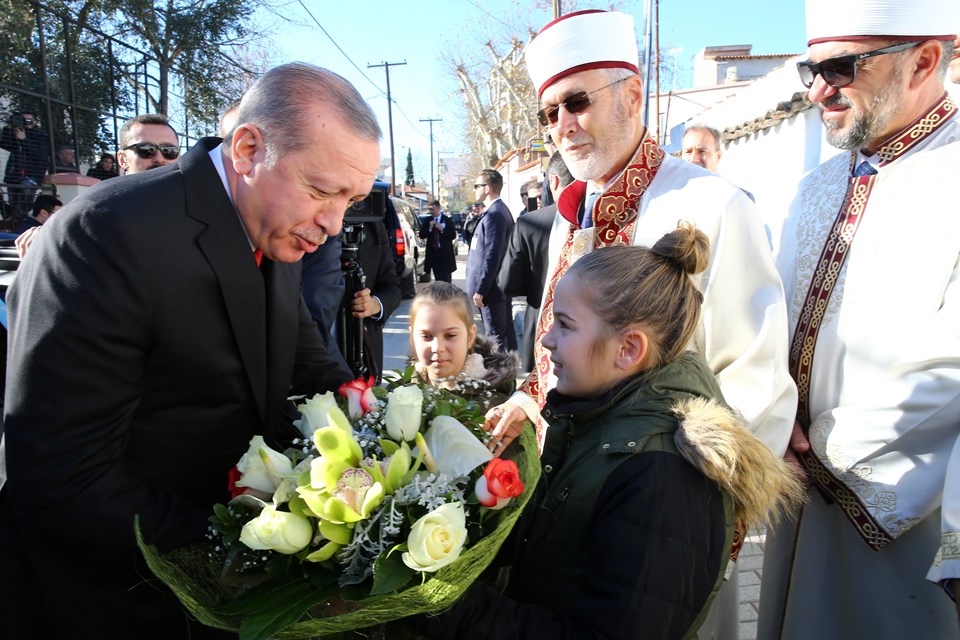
882	19
581	41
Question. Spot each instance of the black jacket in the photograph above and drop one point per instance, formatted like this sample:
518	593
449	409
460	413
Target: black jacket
624	538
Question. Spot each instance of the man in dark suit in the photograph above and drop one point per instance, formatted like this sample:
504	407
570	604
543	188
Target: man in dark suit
147	348
43	207
487	248
440	233
525	266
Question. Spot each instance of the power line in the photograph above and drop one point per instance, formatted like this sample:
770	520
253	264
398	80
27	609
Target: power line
317	22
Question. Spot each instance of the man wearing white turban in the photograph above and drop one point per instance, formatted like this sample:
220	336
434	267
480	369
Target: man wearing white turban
870	261
629	191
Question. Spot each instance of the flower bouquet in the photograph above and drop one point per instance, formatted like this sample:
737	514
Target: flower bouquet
390	505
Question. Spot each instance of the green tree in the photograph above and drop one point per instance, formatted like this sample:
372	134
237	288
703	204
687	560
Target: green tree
409	181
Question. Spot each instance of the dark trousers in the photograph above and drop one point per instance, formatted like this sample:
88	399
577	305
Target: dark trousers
442	276
530	317
498	323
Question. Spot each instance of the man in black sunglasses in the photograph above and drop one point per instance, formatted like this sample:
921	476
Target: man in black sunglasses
147	141
585	67
869	258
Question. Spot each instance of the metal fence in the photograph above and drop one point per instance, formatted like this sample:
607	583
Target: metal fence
78	85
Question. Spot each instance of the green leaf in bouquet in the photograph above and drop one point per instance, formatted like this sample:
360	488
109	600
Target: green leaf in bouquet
389	446
273	606
390	574
278	564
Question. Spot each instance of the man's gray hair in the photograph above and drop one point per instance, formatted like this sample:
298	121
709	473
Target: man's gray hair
279	103
143	118
558	167
947	47
697	126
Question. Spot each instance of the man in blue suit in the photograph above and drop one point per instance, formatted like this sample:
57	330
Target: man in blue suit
158	328
487	248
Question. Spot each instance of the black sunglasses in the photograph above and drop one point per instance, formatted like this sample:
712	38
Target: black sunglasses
147	150
575	103
479	184
841	71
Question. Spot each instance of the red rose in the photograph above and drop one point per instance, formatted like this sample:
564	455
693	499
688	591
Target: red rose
499	483
503	478
232	479
359	395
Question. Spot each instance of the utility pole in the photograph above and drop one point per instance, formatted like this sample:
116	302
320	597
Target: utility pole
386	66
431	121
557	9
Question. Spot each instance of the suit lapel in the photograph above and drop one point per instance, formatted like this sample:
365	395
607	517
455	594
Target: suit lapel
227	249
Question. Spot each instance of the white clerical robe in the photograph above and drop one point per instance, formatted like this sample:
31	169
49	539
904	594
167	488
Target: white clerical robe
884	397
742	331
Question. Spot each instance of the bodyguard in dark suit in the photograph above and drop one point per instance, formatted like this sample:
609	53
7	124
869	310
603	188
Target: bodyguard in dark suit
147	348
524	270
487	248
525	267
440	232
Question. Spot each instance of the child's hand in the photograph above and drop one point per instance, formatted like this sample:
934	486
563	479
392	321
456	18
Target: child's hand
505	423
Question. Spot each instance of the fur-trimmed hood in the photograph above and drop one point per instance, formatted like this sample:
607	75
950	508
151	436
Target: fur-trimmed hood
683	402
762	485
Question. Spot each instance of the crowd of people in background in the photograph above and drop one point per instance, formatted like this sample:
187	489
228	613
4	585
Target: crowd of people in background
685	383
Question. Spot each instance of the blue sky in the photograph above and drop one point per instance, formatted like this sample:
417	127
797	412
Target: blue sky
427	34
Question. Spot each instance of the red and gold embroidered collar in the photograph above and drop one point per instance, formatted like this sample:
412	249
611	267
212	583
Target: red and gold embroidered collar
918	131
617	206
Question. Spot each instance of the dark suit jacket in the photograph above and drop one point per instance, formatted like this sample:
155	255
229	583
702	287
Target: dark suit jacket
383	282
146	349
525	265
27	223
443	258
487	248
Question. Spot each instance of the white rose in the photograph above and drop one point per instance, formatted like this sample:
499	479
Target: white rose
404	412
262	468
315	413
437	538
279	531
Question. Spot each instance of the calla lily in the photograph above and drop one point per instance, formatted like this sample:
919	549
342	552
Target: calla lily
262	468
456	451
404	412
359	395
319	411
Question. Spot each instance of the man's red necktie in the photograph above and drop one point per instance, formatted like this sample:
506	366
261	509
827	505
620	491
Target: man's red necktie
258	256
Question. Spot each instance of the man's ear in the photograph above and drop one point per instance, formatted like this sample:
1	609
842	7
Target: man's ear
122	161
633	92
927	59
247	148
634	349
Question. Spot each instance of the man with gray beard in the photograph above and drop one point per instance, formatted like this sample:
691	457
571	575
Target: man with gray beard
870	261
585	67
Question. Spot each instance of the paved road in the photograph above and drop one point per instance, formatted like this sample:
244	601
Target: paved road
396	350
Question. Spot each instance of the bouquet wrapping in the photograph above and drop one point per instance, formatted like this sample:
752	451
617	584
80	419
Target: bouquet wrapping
393	511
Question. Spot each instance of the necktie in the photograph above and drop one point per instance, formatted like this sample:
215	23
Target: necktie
588	210
436	233
257	256
864	169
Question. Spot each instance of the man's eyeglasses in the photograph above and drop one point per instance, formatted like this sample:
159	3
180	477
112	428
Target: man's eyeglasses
147	150
575	103
841	71
479	184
